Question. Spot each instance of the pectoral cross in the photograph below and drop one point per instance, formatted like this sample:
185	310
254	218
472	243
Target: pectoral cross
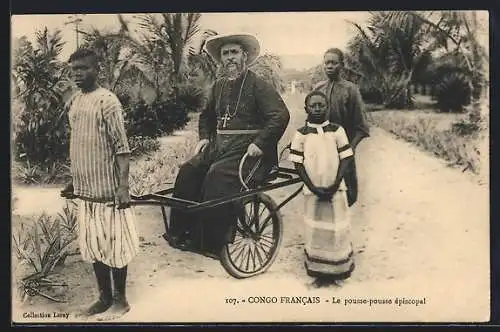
224	119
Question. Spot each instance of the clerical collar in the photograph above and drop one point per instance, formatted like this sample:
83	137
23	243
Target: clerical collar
318	125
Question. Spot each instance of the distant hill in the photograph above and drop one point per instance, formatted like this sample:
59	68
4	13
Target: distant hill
300	61
292	74
299	67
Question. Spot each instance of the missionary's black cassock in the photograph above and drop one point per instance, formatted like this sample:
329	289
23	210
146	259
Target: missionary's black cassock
239	112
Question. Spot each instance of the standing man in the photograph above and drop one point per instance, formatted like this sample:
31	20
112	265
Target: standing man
346	109
244	114
99	154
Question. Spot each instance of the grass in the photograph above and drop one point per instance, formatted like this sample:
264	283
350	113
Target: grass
432	132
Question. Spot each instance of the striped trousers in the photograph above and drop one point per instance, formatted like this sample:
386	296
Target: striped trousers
107	234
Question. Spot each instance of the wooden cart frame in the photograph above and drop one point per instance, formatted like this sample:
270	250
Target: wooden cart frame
256	238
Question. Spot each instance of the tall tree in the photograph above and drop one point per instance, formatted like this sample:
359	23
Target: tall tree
452	29
270	69
41	81
388	55
113	59
174	34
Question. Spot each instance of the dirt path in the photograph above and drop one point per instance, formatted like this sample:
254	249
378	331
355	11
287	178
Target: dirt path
421	231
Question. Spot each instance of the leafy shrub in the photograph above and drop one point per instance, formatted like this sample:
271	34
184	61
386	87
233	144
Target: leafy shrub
41	80
141	119
269	67
25	172
161	117
452	92
140	145
192	97
371	95
43	135
172	115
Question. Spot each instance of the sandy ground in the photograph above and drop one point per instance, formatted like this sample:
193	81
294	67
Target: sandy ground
421	232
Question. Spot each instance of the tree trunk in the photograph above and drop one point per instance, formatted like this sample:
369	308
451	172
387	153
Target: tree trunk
400	95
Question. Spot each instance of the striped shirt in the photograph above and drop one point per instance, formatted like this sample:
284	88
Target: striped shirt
320	147
97	136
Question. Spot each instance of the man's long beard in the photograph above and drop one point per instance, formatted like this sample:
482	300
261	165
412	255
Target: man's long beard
232	72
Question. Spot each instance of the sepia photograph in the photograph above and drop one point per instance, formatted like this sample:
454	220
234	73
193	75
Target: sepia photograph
250	167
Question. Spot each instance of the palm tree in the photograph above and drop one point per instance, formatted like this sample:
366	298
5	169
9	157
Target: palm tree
166	36
451	29
389	54
200	63
458	33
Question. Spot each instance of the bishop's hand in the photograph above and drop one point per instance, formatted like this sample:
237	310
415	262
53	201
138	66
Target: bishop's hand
254	151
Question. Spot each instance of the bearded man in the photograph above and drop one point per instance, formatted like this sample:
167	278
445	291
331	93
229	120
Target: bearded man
244	114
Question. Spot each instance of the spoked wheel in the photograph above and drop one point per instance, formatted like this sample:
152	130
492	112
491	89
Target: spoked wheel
257	238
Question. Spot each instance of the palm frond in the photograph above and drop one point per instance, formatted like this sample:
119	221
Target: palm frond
124	27
192	28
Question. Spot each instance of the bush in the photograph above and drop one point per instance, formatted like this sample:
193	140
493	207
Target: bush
270	68
452	92
161	117
371	95
192	97
172	115
143	145
43	135
141	119
41	80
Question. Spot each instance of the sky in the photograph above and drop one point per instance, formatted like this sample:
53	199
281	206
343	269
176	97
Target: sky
300	38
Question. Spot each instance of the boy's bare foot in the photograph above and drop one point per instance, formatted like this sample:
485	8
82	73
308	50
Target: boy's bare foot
117	310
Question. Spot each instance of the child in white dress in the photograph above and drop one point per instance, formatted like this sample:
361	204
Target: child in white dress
321	153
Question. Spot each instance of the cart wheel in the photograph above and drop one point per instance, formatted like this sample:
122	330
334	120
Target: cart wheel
257	238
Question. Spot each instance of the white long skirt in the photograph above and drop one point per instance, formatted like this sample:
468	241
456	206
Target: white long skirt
328	246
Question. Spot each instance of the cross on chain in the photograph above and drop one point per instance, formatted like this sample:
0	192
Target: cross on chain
226	117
